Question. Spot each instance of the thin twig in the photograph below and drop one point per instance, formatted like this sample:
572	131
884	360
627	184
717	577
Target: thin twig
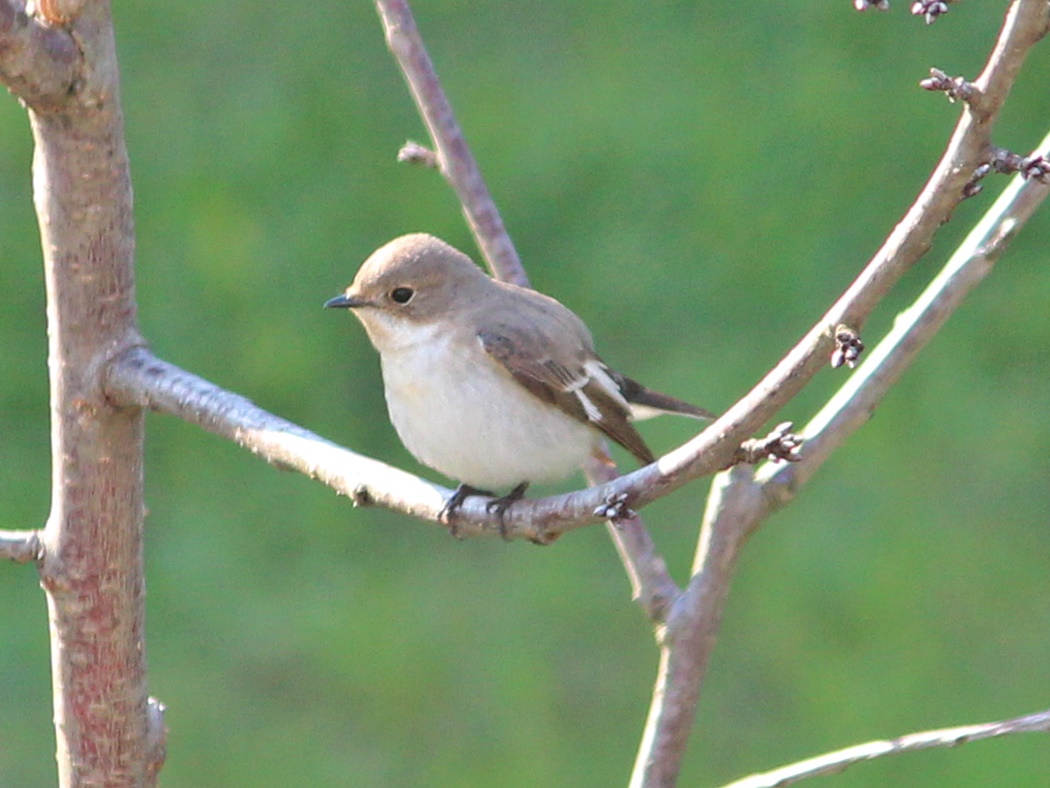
834	762
651	583
739	502
456	161
20	546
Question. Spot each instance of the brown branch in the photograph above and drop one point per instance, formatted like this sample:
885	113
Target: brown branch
38	63
738	503
137	378
652	586
713	449
854	403
455	160
90	553
835	762
20	546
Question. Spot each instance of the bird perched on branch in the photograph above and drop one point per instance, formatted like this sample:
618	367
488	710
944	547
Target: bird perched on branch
489	383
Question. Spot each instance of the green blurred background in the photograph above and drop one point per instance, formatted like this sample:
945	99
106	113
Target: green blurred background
699	181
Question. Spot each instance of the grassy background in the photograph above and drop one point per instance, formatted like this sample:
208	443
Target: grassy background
698	181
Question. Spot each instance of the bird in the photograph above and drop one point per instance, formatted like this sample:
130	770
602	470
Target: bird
489	383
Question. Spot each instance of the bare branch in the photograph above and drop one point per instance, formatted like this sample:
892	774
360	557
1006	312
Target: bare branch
651	584
853	404
138	378
834	762
20	546
1026	23
38	63
688	639
739	503
457	163
713	449
90	553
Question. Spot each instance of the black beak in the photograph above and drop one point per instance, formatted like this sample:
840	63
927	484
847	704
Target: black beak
343	301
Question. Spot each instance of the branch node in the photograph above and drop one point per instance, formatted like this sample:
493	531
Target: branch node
414	153
360	496
1029	167
955	88
930	9
780	445
848	347
1008	163
615	507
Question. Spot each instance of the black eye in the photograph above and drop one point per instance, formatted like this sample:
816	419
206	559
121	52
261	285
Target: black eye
402	295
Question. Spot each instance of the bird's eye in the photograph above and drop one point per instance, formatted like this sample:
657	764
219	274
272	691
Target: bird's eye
401	295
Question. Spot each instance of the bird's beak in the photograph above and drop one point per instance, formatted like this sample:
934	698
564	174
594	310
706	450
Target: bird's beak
344	301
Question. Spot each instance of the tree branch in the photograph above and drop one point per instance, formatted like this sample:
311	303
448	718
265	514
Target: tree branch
651	584
712	450
20	546
455	160
740	500
38	63
137	378
90	553
738	503
854	403
834	762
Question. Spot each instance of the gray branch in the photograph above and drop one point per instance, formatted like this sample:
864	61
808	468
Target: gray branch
20	546
455	159
835	762
739	503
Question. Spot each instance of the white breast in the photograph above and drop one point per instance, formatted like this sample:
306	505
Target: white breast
460	413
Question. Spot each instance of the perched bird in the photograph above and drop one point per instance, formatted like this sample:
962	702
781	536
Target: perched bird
490	383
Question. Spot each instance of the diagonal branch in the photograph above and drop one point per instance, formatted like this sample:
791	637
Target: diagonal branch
835	762
853	404
740	500
651	583
455	160
713	449
738	503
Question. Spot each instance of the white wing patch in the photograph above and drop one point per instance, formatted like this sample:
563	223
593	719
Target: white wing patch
589	407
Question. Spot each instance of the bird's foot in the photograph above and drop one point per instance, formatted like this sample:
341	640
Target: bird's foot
455	501
499	506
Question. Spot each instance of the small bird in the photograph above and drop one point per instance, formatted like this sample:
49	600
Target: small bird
490	383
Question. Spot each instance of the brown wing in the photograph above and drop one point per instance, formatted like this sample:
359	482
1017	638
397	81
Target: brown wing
566	385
